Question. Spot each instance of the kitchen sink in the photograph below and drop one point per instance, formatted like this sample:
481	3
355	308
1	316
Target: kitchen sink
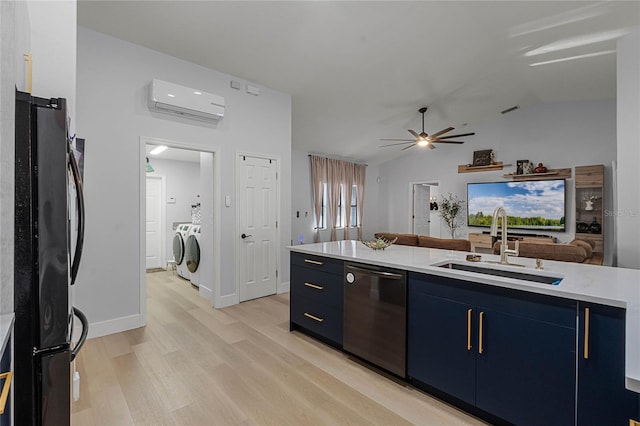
525	276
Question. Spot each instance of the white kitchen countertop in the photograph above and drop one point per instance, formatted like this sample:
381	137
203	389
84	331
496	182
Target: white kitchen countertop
605	285
6	324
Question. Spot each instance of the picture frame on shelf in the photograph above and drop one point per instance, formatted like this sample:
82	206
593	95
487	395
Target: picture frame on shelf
485	157
520	166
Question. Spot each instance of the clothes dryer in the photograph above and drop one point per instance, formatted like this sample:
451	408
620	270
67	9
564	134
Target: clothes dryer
192	255
179	248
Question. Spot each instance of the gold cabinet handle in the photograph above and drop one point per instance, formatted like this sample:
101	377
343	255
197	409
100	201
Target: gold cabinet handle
313	317
469	312
317	287
586	333
5	389
314	262
480	348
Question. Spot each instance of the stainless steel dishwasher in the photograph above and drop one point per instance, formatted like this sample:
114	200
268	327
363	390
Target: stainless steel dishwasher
375	315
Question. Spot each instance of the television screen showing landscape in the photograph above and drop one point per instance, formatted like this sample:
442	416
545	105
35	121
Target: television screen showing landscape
536	205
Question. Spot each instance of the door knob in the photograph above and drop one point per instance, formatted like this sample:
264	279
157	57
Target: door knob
243	236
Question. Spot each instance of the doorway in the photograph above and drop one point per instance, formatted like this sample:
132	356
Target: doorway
191	179
424	219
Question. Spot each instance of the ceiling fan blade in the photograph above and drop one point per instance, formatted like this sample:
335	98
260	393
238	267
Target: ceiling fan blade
441	132
457	136
458	142
410	146
406	140
414	133
396	144
431	146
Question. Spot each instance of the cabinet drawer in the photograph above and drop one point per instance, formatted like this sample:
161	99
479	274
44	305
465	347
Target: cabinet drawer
319	318
317	263
318	286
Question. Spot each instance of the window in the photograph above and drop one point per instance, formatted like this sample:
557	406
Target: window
354	206
342	210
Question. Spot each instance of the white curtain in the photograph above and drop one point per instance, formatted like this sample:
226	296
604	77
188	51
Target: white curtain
318	179
339	176
335	173
359	175
347	184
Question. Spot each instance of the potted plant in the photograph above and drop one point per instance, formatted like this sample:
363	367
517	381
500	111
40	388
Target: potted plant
450	208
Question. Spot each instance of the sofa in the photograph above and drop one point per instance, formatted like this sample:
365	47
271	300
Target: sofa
425	241
578	251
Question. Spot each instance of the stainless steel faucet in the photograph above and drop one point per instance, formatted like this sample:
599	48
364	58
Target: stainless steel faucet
505	252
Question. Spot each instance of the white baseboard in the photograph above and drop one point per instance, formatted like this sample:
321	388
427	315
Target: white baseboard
283	288
103	328
205	292
228	300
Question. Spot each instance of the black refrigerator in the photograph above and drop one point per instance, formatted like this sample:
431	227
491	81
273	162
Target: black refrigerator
46	176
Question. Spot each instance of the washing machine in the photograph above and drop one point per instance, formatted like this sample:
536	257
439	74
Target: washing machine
179	248
192	255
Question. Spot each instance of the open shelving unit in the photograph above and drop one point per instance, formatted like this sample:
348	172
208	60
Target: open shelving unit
589	220
548	175
466	168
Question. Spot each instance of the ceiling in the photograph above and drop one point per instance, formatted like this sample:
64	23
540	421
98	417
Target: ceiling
359	71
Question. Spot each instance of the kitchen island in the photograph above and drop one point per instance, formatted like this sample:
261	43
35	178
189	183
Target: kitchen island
589	303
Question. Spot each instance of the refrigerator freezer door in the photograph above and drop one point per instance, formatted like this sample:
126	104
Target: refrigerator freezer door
54	388
53	222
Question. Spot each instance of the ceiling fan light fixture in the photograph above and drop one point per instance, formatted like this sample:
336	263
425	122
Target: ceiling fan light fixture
423	142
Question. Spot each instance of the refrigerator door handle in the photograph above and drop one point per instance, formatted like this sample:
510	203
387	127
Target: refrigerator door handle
83	336
81	215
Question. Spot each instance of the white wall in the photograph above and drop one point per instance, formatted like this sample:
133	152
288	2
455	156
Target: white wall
53	48
627	211
112	115
302	201
560	135
7	144
182	181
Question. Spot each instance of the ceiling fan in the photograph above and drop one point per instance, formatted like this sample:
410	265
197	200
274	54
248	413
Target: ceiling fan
423	139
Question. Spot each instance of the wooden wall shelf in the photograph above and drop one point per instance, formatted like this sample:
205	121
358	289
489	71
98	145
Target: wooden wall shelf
550	174
465	168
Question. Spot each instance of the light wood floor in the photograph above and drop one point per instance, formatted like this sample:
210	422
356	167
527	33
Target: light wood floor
195	365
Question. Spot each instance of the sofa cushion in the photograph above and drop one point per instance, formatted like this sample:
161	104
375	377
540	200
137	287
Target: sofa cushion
443	243
403	239
548	251
588	248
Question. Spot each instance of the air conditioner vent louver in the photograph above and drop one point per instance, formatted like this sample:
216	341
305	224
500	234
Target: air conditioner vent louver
186	102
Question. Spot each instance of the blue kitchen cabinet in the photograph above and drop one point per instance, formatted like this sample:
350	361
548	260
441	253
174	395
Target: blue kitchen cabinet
526	371
438	337
602	396
507	353
317	297
5	366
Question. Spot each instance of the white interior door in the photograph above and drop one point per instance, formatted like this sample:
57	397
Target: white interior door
421	210
434	229
154	222
257	206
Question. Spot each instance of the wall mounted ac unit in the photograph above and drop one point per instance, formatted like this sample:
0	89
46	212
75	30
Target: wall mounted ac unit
173	99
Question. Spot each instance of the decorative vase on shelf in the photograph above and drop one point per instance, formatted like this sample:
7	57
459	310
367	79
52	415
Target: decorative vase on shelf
595	227
588	205
540	169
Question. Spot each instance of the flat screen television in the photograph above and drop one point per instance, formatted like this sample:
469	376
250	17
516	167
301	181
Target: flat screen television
537	205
